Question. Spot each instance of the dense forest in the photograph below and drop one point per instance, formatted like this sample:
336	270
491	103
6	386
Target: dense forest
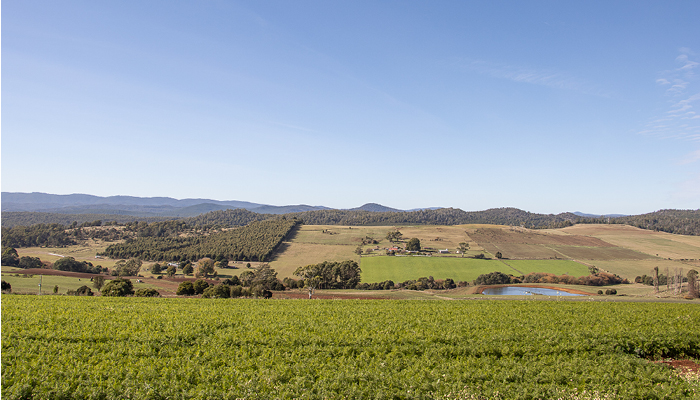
683	222
254	242
441	216
27	218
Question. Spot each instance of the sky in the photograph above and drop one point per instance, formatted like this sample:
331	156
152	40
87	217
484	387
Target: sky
546	106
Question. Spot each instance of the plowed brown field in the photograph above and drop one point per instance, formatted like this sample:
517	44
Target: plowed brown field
524	236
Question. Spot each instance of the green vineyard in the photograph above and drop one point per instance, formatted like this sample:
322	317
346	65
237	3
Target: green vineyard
56	347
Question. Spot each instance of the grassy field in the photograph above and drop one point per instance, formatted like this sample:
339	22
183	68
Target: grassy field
59	347
522	250
556	267
399	269
22	283
599	253
661	244
632	269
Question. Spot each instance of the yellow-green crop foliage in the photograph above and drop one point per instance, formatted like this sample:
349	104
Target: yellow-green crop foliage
115	348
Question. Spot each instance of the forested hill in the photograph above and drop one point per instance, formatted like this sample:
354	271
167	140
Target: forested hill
682	222
441	216
686	222
27	218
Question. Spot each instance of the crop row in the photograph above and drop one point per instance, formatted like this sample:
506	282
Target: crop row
109	348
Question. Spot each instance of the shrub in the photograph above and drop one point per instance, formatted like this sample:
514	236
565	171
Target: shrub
147	292
118	287
200	285
217	292
185	289
27	262
6	286
236	291
493	278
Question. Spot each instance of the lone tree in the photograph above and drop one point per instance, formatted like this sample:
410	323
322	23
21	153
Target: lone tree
413	245
10	257
463	248
205	267
156	268
692	286
98	281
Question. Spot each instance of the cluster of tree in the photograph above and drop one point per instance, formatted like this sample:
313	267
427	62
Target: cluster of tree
170	270
129	267
228	218
73	265
425	283
330	275
53	235
10	258
254	242
394	236
254	283
6	287
598	279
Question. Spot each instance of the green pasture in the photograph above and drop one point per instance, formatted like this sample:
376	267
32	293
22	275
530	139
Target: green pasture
556	267
29	284
632	268
399	269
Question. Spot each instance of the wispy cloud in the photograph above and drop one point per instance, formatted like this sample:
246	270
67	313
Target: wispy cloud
544	77
690	158
681	120
688	191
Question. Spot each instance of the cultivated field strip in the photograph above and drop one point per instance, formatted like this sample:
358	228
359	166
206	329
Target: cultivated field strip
114	348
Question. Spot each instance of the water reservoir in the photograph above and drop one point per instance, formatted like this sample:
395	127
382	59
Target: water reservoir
525	291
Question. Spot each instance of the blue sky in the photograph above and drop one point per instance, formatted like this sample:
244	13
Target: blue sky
547	106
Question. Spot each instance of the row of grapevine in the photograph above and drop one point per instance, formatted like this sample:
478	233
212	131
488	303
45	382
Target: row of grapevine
110	348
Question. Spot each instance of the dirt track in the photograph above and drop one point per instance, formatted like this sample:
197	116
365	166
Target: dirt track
45	271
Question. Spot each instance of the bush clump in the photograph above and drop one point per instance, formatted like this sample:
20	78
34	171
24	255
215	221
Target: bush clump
118	288
147	292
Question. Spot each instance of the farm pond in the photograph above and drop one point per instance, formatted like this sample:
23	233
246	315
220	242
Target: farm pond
525	291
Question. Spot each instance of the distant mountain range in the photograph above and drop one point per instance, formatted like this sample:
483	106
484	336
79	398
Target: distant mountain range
580	214
134	206
164	207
